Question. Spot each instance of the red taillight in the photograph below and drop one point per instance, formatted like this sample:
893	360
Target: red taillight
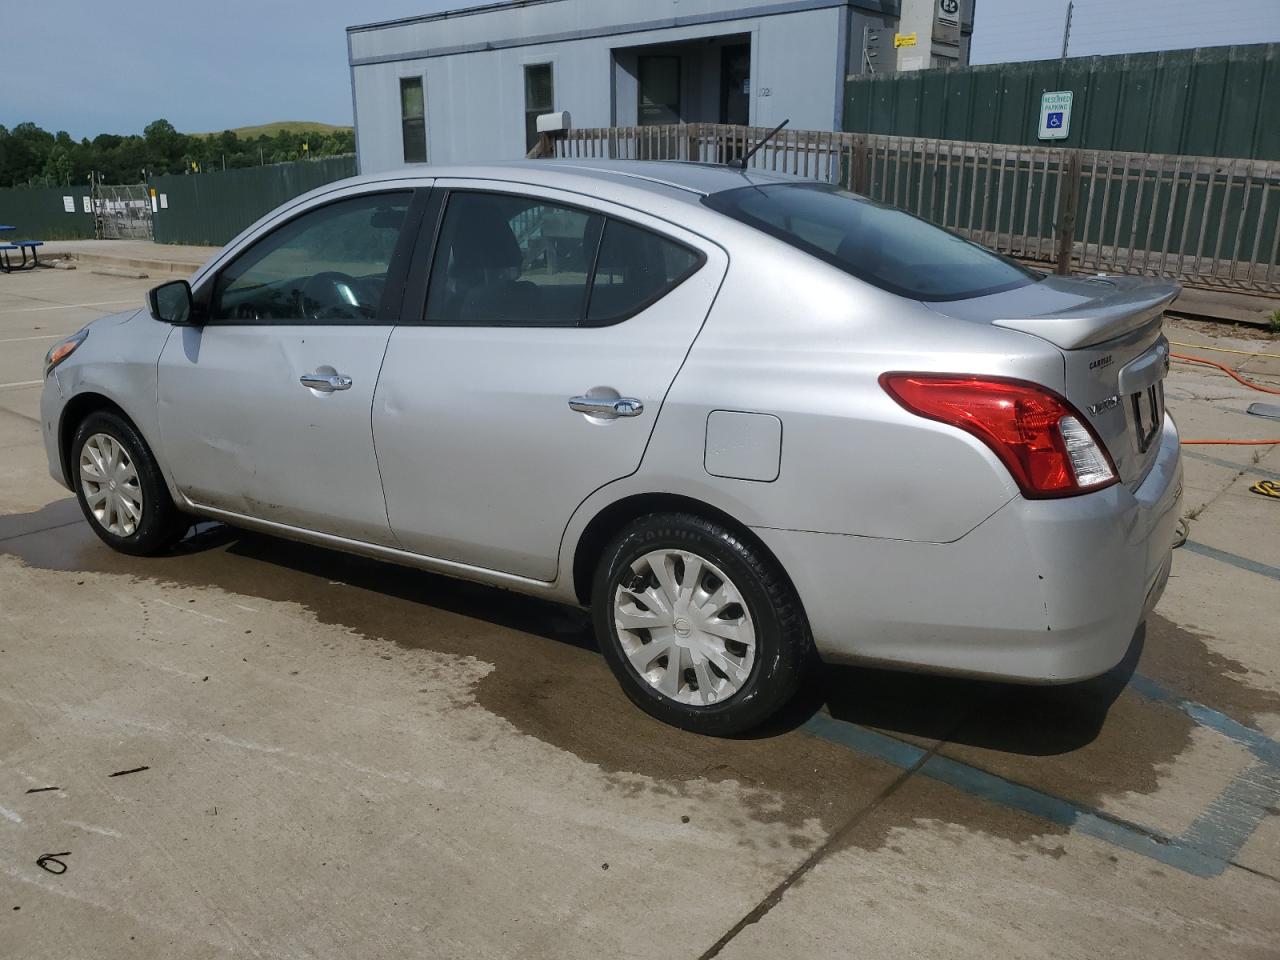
1044	441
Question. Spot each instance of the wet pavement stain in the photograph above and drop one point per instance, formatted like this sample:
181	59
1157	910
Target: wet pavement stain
1082	742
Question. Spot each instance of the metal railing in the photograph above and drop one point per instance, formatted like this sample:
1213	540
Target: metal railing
1205	221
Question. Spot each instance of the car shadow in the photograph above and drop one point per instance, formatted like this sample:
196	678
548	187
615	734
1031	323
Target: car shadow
1015	719
1023	719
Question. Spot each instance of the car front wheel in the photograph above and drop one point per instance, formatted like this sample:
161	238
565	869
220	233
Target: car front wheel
700	626
120	488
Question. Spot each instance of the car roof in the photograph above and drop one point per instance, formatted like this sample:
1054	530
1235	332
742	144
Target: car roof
674	178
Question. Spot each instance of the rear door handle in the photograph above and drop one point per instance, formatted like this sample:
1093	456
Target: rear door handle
604	407
318	381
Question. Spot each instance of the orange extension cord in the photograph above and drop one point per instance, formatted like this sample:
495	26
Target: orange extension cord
1234	376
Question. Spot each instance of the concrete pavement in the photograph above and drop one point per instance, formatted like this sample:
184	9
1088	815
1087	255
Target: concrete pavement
347	758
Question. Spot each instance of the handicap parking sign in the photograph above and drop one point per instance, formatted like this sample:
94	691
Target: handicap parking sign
1055	114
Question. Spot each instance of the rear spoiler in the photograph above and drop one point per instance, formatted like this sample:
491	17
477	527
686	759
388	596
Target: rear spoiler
1131	303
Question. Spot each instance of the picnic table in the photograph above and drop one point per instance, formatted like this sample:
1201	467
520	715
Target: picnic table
6	266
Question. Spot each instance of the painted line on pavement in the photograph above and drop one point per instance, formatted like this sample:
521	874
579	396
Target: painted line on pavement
1242	467
1015	796
1208	846
21	383
72	306
52	336
1244	563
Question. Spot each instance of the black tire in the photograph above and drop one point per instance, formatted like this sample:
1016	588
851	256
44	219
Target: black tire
783	644
161	524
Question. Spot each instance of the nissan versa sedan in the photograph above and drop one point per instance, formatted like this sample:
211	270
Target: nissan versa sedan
744	419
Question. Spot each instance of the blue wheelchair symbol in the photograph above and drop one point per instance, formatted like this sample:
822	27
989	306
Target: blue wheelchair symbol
1054	121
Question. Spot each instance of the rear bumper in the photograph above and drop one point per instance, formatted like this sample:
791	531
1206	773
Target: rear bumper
1043	591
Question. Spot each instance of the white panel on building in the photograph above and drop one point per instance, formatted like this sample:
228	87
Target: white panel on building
486	73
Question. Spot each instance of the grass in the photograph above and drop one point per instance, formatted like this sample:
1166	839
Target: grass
271	129
1273	322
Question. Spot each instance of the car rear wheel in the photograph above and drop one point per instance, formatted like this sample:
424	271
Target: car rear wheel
120	488
701	627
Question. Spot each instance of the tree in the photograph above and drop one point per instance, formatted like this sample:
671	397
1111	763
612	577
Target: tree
29	154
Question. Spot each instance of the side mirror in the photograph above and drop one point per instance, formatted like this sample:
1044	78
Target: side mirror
171	302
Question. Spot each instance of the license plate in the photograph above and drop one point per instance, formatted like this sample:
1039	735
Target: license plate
1148	411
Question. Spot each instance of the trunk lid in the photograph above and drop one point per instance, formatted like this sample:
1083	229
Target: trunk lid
1114	353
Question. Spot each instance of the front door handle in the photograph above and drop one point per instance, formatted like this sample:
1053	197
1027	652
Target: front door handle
318	381
604	407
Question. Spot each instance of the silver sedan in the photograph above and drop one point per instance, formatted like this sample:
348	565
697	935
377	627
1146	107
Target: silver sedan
744	419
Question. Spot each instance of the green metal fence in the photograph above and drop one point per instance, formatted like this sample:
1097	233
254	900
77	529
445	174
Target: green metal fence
1213	102
41	213
1207	221
211	208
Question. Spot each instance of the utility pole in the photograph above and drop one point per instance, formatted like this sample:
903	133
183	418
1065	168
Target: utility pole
1066	30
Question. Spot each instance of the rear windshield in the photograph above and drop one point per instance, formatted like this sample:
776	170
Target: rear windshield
883	246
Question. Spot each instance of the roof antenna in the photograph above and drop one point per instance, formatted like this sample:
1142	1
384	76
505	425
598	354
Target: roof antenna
742	164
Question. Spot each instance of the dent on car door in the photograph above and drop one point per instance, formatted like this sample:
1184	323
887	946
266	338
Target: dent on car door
264	410
534	371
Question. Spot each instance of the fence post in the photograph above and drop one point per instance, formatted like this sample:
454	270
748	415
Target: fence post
861	167
545	148
691	143
1068	204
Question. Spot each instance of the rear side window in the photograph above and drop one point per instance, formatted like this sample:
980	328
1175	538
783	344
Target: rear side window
634	269
505	260
508	260
885	247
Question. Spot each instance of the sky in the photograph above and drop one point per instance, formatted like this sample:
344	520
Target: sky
1032	29
88	67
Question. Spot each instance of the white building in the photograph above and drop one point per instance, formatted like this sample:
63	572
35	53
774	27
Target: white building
466	85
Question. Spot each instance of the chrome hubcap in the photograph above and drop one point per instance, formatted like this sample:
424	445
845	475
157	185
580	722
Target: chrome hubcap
110	483
685	627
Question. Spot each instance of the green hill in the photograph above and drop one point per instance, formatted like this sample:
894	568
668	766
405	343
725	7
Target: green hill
280	126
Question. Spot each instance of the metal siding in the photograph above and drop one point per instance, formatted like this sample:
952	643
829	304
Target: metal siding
906	105
38	214
1211	102
933	100
1015	94
984	105
1165	132
211	208
1240	107
1267	138
1133	110
1204	102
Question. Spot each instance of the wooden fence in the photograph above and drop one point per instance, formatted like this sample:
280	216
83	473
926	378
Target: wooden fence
1204	221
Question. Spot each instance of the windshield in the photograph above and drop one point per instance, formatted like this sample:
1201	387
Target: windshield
886	247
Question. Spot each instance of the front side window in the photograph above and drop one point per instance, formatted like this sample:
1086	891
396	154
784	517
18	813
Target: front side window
413	119
539	98
329	265
885	247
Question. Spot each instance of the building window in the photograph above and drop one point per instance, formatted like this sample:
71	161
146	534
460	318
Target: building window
659	90
539	98
413	120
